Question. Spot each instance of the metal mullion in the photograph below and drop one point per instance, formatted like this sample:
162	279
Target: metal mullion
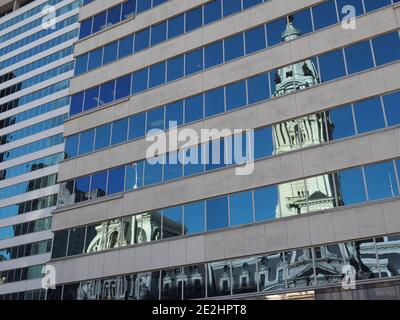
396	173
365	183
384	111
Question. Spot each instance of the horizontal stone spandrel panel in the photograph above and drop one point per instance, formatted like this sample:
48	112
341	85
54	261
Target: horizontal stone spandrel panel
345	224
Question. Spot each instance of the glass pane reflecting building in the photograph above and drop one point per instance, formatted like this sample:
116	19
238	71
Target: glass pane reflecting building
302	205
36	65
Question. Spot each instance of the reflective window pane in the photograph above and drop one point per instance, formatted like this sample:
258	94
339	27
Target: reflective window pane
214	54
140	81
351	187
380	45
81	64
76	241
176	26
217	213
116	180
214	102
110	52
359	57
119	131
171	284
266	203
134	176
175	68
369	115
155	119
194	108
194	218
142	39
258	88
153	172
173	168
60	244
123	87
255	40
125	47
244	275
389	260
357	4
219	279
194	287
71	146
241	208
324	15
86	142
341	123
363	259
263	144
174	114
236	95
157	75
194	19
332	65
103	135
192	160
250	3
299	271
172	222
274	31
371	5
231	7
91	99
392	108
234	47
270	272
148	285
82	189
194	61
99	185
381	181
107	93
137	126
158	33
212	11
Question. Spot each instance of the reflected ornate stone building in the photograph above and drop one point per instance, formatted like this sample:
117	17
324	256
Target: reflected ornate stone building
312	194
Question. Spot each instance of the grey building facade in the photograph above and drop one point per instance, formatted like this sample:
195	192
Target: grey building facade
319	214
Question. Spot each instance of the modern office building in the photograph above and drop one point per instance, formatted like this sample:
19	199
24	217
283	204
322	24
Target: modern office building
319	216
36	63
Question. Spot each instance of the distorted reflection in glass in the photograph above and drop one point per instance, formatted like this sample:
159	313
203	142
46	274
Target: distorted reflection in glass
134	176
292	199
66	195
299	269
82	189
76	241
171	284
148	227
172	222
219	279
104	236
321	192
362	257
194	279
147	286
270	272
244	275
388	249
329	261
381	181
